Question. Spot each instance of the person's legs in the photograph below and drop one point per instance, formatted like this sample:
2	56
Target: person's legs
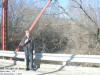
31	59
27	59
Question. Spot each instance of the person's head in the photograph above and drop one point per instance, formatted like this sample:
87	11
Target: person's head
27	33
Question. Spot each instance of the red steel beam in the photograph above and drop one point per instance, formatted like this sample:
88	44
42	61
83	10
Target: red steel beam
37	19
41	13
4	24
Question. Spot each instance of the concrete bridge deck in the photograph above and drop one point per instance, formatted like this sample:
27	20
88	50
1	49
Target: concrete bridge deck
45	69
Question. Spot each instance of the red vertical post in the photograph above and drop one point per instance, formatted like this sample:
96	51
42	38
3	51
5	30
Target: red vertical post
4	24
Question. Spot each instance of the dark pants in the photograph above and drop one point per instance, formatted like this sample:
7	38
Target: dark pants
29	57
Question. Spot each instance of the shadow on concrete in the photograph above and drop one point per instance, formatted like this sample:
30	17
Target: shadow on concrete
60	67
37	56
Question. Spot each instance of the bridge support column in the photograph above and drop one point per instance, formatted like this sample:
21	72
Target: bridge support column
4	24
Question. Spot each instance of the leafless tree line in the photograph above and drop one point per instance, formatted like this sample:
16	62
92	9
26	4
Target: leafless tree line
74	29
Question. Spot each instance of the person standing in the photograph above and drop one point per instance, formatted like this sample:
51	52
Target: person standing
28	45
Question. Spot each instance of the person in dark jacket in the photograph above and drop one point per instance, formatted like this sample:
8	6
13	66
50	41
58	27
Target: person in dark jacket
28	45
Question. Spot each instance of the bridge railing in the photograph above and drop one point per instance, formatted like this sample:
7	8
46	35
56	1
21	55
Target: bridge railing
64	58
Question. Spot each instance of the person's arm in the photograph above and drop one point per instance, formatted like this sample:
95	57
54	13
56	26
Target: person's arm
33	45
27	40
23	42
